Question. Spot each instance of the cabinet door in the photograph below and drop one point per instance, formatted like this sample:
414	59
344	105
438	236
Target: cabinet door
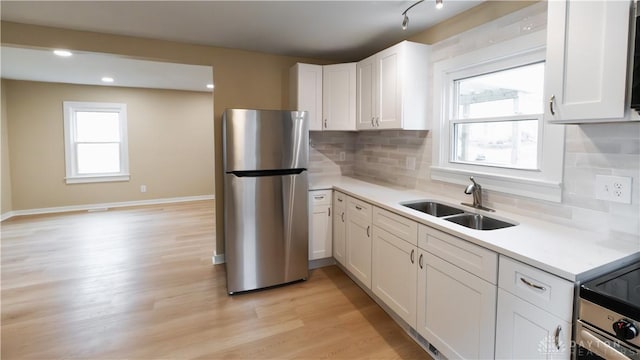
339	97
524	331
456	310
394	277
389	90
339	227
320	232
365	94
320	224
359	241
586	65
306	81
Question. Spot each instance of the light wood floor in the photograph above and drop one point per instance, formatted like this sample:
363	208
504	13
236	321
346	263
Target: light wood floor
138	283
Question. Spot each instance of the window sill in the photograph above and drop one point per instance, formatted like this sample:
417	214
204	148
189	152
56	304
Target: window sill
97	179
537	189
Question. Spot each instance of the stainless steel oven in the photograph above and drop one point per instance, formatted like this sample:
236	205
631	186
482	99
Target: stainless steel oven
609	316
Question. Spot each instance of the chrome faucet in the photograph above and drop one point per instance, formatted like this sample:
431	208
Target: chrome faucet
476	190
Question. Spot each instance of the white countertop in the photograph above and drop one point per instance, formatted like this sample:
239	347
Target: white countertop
567	252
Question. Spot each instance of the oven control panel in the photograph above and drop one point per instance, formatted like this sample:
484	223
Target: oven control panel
614	324
625	329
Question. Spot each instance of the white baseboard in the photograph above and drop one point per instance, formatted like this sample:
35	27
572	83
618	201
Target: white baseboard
217	259
104	206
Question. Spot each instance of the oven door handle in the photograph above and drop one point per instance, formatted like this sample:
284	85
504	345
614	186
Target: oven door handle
600	347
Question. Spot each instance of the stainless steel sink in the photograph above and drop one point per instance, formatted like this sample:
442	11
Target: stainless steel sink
479	222
433	208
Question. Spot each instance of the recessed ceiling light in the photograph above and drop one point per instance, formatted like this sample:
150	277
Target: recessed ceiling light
62	53
107	79
209	86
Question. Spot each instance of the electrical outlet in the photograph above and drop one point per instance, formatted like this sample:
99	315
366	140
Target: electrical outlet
143	188
343	156
410	163
613	188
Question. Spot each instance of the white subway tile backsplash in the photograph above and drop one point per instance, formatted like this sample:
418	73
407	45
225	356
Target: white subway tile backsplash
590	150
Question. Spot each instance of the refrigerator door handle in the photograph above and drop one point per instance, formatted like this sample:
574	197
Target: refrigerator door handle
257	173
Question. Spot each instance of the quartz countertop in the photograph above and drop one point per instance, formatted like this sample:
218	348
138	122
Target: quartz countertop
567	252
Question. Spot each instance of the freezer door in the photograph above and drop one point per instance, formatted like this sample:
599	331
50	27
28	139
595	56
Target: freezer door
266	230
265	139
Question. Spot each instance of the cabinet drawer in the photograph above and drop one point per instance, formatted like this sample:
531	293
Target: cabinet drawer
397	225
359	208
319	197
538	287
465	255
339	199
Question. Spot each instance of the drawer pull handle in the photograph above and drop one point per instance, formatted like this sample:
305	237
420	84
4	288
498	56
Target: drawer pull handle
551	100
368	227
358	207
319	197
339	200
420	261
542	288
342	216
412	253
329	212
556	337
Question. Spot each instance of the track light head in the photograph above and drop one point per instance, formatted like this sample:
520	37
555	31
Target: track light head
405	22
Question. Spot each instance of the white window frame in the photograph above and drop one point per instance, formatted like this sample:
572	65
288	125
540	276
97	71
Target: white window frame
70	148
544	183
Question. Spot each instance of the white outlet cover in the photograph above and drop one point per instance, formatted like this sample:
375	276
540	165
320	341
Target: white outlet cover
614	188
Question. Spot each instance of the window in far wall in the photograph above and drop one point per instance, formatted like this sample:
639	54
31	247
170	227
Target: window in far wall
95	142
488	106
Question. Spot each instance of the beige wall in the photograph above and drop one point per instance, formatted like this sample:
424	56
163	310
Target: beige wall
170	137
242	78
6	206
481	14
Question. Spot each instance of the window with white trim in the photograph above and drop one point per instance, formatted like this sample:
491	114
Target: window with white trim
489	106
95	142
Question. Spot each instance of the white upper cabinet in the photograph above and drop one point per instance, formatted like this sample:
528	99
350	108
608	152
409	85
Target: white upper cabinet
586	65
392	88
306	92
327	92
339	97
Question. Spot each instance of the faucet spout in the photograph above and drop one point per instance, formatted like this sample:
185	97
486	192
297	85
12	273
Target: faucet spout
476	190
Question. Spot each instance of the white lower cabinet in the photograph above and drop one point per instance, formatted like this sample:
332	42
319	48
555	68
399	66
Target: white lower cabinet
456	309
358	254
395	265
534	313
524	331
320	224
339	227
456	295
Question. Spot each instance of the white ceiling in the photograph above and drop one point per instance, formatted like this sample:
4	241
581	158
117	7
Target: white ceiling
89	68
333	30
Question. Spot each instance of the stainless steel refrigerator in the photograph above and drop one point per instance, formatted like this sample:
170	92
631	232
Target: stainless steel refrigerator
266	227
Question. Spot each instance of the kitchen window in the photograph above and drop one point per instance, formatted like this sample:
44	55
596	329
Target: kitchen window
489	106
95	142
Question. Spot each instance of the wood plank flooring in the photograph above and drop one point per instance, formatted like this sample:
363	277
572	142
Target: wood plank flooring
138	283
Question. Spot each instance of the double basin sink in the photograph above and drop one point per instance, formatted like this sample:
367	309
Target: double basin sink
458	216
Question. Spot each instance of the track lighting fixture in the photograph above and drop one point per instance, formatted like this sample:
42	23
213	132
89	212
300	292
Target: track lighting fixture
405	20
